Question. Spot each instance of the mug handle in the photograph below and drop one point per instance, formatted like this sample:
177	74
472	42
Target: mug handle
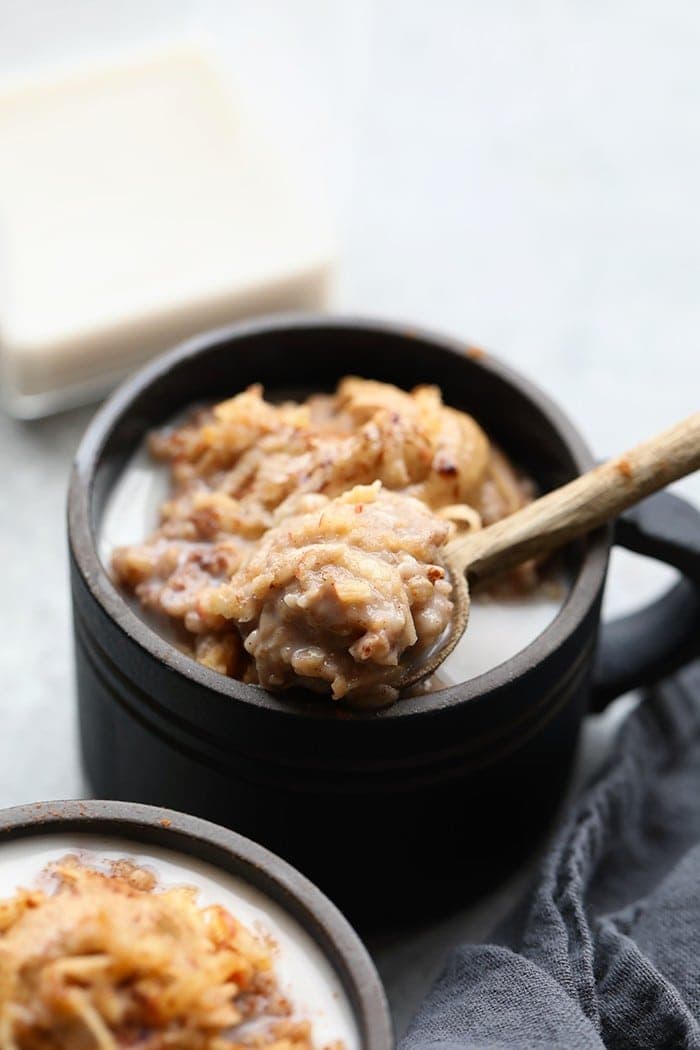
647	645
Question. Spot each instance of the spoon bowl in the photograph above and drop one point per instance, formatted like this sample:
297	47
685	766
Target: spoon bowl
424	667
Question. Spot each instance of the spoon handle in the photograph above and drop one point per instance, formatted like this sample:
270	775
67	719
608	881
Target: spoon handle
582	505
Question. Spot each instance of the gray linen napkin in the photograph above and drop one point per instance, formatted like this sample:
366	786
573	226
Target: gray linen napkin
608	954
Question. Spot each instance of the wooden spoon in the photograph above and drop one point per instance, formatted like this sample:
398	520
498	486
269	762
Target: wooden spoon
562	515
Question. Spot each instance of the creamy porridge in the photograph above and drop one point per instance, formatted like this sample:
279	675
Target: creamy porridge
237	477
108	944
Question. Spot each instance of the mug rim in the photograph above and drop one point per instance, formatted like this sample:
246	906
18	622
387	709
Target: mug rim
194	837
84	546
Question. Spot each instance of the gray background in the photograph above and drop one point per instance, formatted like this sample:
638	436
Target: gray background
523	173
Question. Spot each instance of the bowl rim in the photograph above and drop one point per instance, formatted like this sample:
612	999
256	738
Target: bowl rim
83	541
274	877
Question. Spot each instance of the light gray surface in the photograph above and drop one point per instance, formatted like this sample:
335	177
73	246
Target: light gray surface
520	173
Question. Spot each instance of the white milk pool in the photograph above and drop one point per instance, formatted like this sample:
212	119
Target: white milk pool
304	975
497	630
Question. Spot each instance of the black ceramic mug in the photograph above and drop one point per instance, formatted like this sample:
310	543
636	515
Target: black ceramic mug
386	810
